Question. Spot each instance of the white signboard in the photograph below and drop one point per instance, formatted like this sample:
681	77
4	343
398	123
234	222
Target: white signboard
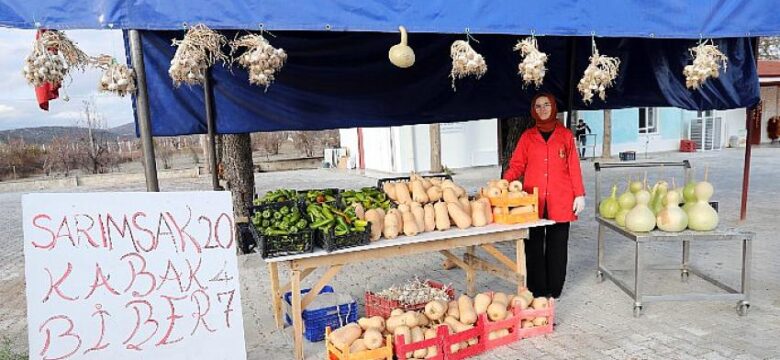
132	276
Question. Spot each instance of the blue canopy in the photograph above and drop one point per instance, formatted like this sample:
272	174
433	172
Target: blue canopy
343	79
611	18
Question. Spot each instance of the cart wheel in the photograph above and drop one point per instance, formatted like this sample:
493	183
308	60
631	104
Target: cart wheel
684	276
637	311
599	276
742	308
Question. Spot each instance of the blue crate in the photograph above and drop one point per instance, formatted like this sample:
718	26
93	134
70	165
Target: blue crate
315	320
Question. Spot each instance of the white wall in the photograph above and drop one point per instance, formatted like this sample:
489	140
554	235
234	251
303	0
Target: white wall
349	140
377	149
733	124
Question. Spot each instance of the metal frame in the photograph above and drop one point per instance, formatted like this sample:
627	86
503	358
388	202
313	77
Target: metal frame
741	296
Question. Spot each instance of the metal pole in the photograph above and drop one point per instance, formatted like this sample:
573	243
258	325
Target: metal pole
208	98
142	109
752	114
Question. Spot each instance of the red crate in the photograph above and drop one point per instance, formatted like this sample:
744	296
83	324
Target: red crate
687	146
377	305
511	323
549	312
476	332
401	347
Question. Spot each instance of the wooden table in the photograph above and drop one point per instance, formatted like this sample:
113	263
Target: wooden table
442	241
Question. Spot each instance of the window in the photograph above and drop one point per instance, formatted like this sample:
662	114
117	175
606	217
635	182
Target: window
705	113
648	120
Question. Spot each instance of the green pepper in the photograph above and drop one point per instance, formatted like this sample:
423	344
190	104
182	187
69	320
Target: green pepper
360	223
278	216
301	223
326	211
266	214
322	223
284	210
266	223
294	217
273	232
293	230
341	232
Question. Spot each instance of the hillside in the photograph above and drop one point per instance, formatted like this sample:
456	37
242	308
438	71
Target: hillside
44	134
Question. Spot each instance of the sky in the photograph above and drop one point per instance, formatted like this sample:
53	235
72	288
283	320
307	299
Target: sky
18	107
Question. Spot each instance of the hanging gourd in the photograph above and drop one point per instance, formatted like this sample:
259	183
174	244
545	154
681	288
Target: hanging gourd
261	60
671	218
707	60
701	216
599	75
52	58
200	49
465	62
116	78
401	54
532	67
609	206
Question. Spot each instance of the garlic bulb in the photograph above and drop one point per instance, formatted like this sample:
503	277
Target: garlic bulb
532	67
260	59
52	58
598	77
200	49
707	60
465	62
116	78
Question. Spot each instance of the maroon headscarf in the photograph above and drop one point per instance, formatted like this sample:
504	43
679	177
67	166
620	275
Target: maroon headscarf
545	125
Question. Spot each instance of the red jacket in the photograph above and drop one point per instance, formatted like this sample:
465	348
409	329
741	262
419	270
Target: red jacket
553	167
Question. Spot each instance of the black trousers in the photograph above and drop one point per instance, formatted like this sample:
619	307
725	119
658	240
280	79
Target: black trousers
583	142
546	255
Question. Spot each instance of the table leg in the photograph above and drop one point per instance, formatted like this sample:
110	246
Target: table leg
600	254
520	261
746	257
471	273
296	314
686	254
637	281
276	297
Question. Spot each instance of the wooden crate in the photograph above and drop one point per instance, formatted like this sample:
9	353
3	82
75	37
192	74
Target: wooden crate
383	353
505	203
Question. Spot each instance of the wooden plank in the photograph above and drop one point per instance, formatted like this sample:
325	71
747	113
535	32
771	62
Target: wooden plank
406	249
471	273
304	274
296	314
480	264
327	276
498	255
276	296
454	259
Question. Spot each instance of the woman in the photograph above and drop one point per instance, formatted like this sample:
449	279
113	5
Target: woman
546	158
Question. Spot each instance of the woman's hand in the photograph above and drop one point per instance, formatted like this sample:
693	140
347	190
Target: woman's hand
579	205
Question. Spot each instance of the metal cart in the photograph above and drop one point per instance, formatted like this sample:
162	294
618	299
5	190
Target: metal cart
741	296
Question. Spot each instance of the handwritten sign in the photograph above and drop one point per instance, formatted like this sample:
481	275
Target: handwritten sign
132	275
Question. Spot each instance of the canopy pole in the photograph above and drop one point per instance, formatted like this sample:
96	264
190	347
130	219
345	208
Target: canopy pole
753	114
570	85
211	124
142	109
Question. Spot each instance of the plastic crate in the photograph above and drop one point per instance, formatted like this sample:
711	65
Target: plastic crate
477	332
315	321
332	242
687	146
530	314
381	182
402	347
384	352
505	202
282	245
378	306
511	323
248	240
628	156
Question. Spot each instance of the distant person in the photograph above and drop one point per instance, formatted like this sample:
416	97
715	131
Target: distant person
581	138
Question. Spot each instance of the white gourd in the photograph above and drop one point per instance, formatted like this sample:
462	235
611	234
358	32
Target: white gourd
641	218
701	216
671	218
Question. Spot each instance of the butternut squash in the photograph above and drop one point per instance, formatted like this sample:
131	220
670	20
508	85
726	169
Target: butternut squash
360	212
377	223
510	301
527	295
430	217
426	183
449	196
397	312
407	334
393	322
390	227
434	193
410	319
430	334
422	320
402	193
442	216
481	303
465	205
521	302
540	321
498	334
447	183
374	322
373	339
344	336
452	309
435	310
435	181
459	191
515	186
458	327
539	303
496	311
500	297
404	207
417	336
487	209
503	184
410	224
389	189
466	310
478	214
527	209
527	324
419	217
498	211
358	346
418	192
459	216
494	191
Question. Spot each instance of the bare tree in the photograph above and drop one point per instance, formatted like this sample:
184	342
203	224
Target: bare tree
769	48
304	141
163	151
269	141
61	155
606	145
93	148
239	173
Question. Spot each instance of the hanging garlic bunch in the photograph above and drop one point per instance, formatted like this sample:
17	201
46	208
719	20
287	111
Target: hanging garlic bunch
707	60
52	58
260	59
465	62
116	78
200	49
599	76
532	67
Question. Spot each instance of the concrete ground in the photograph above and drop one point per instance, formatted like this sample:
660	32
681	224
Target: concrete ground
594	319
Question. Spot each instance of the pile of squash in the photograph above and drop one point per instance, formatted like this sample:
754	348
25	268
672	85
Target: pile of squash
501	188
